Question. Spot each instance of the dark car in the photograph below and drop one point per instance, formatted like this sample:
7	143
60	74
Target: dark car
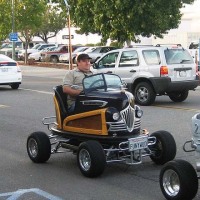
105	127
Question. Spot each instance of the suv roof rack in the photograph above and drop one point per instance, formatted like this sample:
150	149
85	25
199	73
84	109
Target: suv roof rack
139	45
159	45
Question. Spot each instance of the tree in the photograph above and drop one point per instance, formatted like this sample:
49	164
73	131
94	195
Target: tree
123	20
29	18
54	20
5	19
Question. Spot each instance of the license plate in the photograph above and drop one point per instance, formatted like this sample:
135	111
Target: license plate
4	70
184	73
138	143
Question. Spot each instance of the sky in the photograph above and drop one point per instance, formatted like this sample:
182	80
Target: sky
193	8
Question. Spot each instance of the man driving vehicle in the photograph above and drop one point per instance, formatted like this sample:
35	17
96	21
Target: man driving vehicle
72	82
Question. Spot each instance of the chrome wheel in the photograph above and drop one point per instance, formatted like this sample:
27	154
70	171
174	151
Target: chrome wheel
171	182
33	147
84	159
142	94
38	147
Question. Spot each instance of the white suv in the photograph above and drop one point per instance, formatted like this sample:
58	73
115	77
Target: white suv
151	71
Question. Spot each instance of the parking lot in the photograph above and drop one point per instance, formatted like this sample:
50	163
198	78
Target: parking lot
22	111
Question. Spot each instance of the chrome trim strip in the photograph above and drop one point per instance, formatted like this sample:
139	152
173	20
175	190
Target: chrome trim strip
94	103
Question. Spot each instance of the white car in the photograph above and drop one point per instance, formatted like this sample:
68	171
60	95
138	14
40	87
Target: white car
36	48
37	55
10	72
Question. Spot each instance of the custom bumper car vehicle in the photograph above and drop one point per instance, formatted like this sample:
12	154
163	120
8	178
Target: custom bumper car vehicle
178	178
104	128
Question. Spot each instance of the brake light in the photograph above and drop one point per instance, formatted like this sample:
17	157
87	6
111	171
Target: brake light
163	71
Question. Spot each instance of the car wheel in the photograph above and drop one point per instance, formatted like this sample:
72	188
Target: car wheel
144	94
179	96
91	158
178	180
54	59
14	86
164	149
38	147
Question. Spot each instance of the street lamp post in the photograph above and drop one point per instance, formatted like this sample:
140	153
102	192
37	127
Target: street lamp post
13	29
69	46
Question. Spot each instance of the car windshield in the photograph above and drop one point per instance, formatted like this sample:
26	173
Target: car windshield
90	49
36	46
101	82
178	56
4	58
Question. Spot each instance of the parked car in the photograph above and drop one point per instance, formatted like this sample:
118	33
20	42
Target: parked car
10	72
37	55
36	48
7	49
194	51
54	56
97	51
65	57
152	71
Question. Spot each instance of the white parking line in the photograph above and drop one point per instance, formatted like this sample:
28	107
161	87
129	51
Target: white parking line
38	91
3	106
16	194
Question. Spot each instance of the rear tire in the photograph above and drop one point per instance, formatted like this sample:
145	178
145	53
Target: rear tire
144	94
38	147
54	59
164	149
14	86
91	158
178	180
179	96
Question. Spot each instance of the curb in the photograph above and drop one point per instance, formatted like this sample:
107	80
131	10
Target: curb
46	64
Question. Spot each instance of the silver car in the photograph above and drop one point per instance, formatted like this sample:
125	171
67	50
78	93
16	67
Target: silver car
151	71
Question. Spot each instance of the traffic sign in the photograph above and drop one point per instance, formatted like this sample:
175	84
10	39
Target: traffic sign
13	37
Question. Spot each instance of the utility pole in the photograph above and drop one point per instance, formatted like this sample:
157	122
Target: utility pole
69	46
13	29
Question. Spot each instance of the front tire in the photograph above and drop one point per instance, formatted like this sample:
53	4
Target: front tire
178	180
179	96
144	94
38	147
164	149
91	158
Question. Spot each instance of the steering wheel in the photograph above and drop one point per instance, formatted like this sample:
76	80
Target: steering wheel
95	82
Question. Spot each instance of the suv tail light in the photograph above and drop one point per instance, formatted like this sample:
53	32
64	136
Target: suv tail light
163	71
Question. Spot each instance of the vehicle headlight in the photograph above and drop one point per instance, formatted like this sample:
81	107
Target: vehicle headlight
138	112
112	114
116	116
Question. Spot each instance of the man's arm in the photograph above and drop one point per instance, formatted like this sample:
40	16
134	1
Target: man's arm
70	91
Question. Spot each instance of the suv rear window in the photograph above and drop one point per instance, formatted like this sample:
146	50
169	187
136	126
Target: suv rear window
151	57
177	56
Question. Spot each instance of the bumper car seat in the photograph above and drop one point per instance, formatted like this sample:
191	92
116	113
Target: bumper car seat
61	98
